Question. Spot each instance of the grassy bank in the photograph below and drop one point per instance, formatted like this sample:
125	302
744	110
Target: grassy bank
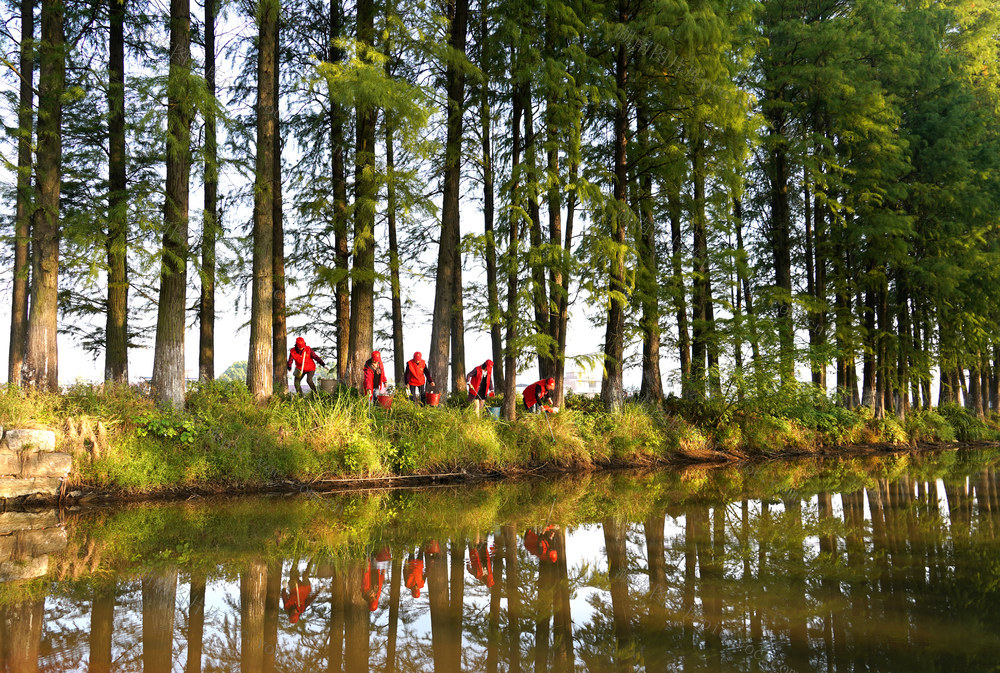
122	440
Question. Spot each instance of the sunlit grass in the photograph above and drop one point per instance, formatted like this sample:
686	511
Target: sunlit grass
224	439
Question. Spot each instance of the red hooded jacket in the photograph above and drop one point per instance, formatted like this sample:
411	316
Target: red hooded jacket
303	357
374	373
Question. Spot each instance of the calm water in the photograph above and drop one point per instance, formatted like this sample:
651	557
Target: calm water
881	564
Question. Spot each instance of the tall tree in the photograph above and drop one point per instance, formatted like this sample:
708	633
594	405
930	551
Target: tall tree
612	392
41	363
279	322
210	218
22	208
489	197
260	364
362	330
116	358
339	183
168	357
447	295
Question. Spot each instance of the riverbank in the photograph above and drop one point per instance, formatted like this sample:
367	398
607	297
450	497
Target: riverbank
122	443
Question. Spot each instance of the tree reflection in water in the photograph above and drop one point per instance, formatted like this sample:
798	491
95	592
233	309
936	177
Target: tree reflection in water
891	570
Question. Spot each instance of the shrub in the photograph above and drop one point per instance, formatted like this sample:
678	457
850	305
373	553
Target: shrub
968	428
925	425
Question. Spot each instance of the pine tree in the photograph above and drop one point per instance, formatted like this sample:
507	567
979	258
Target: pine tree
260	368
168	359
116	347
40	368
22	208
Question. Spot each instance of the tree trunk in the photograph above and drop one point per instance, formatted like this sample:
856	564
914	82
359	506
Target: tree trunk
678	289
883	387
539	297
903	349
41	363
458	330
362	331
398	354
621	608
701	327
22	208
394	592
459	17
253	595
448	292
510	355
339	185
612	393
168	357
116	329
272	612
357	625
260	364
557	359
744	282
159	593
196	622
648	281
781	246
279	322
25	620
102	622
489	207
210	218
871	349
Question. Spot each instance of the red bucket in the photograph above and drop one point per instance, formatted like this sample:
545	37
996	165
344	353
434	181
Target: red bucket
385	401
433	399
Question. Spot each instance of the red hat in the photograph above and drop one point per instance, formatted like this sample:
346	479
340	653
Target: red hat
488	364
376	356
416	356
550	383
300	342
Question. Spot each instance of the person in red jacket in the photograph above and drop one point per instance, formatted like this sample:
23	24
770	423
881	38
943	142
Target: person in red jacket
304	359
372	583
374	375
538	395
296	596
480	382
415	574
416	376
480	563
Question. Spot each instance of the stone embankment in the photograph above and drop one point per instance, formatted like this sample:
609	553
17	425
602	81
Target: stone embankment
30	464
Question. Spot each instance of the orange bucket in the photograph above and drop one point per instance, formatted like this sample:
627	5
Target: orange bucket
385	401
433	399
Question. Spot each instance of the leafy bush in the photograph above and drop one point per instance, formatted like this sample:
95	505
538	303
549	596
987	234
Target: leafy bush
923	425
968	428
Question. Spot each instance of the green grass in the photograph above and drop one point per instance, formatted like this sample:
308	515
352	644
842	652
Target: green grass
223	439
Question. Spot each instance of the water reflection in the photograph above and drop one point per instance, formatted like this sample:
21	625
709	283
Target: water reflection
878	566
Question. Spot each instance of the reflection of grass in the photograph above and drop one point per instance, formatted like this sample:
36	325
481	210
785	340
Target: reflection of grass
232	532
120	439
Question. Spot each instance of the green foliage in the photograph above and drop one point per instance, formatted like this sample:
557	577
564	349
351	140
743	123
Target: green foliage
169	425
929	426
223	437
967	427
235	372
